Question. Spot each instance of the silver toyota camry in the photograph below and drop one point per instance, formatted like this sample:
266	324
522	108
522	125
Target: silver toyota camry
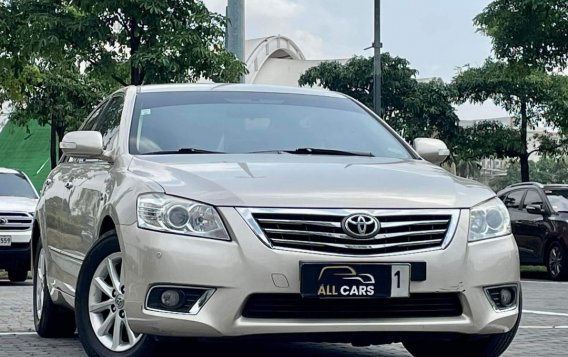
240	210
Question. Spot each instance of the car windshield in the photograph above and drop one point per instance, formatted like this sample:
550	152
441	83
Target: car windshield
558	199
15	185
251	122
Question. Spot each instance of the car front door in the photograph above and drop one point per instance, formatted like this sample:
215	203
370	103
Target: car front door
513	202
57	215
533	227
90	186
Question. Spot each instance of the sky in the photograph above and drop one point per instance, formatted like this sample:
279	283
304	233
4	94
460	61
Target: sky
436	36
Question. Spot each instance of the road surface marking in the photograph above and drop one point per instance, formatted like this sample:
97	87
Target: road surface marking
544	282
548	313
17	333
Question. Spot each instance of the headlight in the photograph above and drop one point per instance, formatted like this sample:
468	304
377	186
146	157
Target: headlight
489	220
177	215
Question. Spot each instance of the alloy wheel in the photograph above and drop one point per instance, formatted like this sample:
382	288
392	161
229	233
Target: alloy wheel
40	284
555	261
106	306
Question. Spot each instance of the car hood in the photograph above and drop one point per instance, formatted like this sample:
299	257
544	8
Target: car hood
272	180
17	204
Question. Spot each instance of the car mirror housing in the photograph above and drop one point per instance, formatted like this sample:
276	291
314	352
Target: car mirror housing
432	150
535	209
83	145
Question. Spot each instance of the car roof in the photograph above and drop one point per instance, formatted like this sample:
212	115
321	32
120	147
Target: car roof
525	185
555	185
229	87
4	170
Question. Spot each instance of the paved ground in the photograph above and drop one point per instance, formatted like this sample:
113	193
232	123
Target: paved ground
544	331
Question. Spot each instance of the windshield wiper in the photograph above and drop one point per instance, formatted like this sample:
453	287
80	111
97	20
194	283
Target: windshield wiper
316	151
184	151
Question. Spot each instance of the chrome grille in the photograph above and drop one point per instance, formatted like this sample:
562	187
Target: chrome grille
15	221
321	230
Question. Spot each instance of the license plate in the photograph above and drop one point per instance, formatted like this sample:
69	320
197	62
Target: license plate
5	241
354	280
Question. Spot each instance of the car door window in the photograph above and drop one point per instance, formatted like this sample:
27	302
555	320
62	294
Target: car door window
109	121
532	198
88	124
513	199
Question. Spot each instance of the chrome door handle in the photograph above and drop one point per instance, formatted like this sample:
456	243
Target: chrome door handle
68	185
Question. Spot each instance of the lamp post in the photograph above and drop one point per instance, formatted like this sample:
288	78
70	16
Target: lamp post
377	60
235	37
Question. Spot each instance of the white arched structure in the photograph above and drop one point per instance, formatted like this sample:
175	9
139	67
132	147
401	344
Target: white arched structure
261	50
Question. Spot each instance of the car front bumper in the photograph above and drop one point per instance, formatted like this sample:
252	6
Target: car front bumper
17	255
246	266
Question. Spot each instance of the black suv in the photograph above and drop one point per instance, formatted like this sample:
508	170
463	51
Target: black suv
539	218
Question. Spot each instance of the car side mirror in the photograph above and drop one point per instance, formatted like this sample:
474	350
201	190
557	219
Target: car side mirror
535	209
432	150
83	145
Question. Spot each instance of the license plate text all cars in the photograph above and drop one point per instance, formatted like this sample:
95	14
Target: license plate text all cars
355	280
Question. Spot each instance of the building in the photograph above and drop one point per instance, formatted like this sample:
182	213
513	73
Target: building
277	60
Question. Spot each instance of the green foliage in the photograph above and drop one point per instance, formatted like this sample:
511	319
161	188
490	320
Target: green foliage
511	85
63	95
414	109
545	171
132	41
531	96
528	31
59	57
487	139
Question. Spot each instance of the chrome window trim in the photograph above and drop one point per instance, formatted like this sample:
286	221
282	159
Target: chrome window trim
247	214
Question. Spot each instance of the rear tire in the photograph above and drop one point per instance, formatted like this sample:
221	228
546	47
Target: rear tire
557	261
18	275
99	304
469	346
50	320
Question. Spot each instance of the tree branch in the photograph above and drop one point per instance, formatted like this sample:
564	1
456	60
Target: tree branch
119	80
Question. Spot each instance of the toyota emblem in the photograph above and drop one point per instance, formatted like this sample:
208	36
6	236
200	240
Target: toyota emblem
361	225
3	221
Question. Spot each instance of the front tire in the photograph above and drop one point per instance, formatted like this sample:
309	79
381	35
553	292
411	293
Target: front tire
50	320
103	326
557	261
470	346
18	275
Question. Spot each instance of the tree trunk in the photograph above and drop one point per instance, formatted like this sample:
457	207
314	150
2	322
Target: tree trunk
53	144
524	157
136	73
60	133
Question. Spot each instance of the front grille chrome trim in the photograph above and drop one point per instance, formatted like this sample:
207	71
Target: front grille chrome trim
330	219
359	247
16	221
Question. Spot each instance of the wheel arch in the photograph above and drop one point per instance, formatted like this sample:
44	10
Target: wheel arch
107	225
36	236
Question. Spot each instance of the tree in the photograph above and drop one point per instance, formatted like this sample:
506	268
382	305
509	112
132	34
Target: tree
412	108
532	32
545	171
58	57
530	95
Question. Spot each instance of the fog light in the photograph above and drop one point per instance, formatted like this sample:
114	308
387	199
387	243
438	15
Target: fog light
502	297
170	298
506	297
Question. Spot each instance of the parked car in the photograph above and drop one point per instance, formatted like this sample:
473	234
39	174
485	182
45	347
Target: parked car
539	217
18	199
243	210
